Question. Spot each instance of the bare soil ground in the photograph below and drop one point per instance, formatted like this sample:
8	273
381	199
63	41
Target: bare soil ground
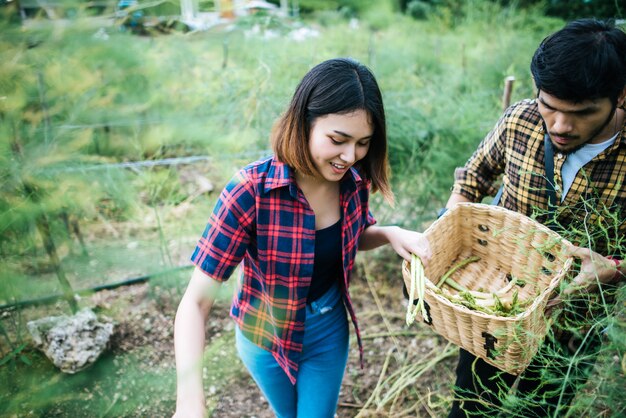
408	370
136	378
145	331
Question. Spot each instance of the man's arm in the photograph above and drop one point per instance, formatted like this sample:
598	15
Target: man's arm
456	198
481	174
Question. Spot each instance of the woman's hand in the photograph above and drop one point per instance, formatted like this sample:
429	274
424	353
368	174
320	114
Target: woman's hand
406	242
403	241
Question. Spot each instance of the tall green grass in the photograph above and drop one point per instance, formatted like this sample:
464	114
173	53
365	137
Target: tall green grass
75	96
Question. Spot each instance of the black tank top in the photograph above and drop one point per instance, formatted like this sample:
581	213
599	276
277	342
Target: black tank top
327	265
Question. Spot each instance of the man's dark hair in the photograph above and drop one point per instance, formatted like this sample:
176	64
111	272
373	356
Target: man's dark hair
583	61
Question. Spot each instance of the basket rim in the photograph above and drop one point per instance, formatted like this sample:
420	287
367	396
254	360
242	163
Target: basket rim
491	208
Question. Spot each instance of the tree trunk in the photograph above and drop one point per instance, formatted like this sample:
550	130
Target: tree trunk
43	226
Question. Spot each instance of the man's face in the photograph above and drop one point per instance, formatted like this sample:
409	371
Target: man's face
574	124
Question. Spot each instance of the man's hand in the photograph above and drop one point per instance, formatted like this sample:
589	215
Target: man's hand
594	269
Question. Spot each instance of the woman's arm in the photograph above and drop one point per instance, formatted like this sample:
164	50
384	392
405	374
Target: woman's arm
403	241
189	343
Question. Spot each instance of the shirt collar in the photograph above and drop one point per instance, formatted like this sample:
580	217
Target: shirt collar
280	174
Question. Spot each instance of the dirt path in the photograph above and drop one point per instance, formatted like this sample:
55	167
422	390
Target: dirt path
145	332
137	377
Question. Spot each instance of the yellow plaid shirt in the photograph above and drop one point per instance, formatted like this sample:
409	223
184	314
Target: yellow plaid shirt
592	212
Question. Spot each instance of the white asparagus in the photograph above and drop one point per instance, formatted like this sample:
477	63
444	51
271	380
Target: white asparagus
418	284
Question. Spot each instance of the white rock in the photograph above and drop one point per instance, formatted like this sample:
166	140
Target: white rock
72	343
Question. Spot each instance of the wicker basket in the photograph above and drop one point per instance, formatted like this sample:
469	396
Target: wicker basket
510	245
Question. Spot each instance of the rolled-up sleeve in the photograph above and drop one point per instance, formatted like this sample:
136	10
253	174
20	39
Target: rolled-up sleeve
478	177
228	232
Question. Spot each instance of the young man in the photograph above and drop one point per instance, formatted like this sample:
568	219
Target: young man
576	124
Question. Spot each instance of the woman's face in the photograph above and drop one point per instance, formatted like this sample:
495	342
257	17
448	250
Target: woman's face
338	140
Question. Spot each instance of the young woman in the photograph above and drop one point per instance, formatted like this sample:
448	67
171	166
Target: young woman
296	220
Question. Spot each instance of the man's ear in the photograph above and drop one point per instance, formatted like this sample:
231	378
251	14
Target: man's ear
621	100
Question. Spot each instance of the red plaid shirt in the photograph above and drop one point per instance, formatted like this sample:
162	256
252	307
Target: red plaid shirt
263	218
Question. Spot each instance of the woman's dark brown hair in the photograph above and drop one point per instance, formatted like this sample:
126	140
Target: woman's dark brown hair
339	86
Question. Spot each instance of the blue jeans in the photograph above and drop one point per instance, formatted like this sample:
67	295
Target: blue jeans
321	368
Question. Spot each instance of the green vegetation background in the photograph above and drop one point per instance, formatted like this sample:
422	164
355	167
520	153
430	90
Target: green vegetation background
78	98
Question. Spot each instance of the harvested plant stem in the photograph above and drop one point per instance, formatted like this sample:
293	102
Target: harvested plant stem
406	376
381	310
418	284
456	267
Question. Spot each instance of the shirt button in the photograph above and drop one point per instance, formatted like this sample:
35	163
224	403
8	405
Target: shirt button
559	155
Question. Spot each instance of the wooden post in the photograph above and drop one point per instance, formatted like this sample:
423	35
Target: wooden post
43	226
44	107
225	52
189	9
226	9
508	87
